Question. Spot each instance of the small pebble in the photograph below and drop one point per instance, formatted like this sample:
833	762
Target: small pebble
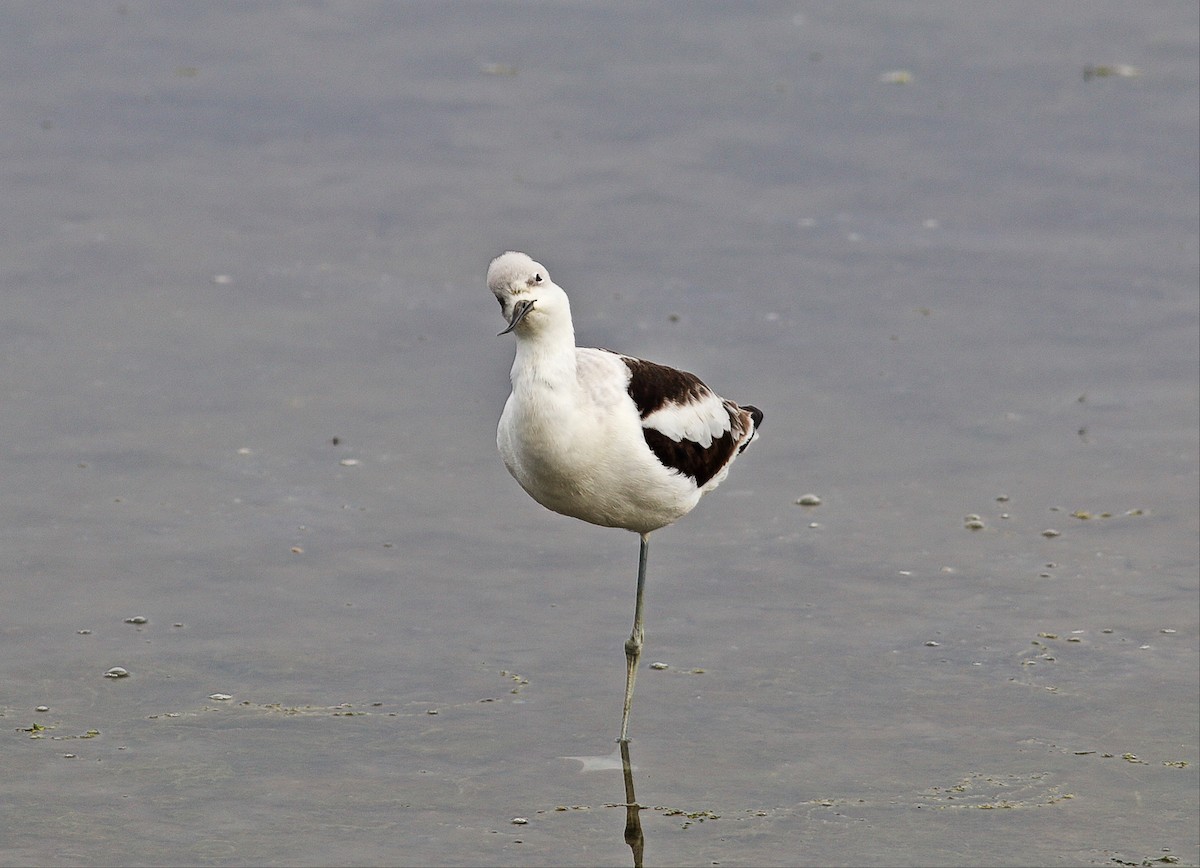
136	619
519	821
808	500
1050	533
42	708
117	672
1104	70
349	462
932	644
220	697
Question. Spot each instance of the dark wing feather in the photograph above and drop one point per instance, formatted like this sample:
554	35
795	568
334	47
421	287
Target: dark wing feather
656	387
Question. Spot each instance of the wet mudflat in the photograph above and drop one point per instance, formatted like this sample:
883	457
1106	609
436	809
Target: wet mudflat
250	384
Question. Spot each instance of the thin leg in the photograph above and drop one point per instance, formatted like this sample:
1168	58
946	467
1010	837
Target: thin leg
633	647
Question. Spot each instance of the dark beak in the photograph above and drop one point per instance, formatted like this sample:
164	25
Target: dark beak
520	310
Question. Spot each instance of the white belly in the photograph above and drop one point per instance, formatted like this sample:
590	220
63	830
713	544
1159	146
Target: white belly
590	461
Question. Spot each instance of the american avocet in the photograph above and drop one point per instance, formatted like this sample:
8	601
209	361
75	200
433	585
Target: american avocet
606	438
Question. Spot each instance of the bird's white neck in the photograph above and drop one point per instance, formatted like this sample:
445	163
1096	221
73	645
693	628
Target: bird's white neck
546	357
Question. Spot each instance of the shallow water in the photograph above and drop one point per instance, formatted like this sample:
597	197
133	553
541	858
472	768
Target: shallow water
236	233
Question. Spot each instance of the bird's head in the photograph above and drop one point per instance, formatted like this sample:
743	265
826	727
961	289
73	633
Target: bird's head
529	299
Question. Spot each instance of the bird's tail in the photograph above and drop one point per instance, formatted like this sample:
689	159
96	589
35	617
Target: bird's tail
756	417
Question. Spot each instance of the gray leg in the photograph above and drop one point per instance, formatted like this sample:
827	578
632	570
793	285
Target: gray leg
633	647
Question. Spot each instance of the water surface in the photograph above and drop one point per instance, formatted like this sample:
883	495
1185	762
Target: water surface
236	234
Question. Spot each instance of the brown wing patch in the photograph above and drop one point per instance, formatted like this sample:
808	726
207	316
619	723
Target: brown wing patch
690	458
652	387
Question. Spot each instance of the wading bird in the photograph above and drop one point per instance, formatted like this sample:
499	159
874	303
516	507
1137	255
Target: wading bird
603	437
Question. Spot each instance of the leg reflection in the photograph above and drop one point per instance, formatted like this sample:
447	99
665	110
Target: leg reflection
633	822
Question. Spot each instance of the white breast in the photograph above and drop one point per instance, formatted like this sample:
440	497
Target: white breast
581	452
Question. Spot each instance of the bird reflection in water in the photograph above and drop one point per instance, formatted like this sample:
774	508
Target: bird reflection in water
633	820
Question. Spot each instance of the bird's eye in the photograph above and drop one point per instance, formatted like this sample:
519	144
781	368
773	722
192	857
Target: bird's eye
537	278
